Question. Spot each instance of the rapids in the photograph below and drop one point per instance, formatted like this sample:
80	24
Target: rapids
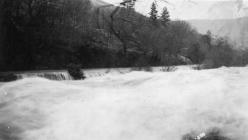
131	106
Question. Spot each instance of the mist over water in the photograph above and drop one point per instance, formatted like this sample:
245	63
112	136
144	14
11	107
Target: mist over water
133	106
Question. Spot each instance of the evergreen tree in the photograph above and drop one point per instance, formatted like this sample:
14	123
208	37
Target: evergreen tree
153	13
165	17
208	38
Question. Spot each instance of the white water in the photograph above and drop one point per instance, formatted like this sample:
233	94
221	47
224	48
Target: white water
89	73
56	75
133	106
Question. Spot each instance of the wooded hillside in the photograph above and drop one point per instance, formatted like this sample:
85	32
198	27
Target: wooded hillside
52	34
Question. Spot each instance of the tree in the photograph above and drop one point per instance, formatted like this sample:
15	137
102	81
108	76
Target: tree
32	26
220	54
195	54
154	13
165	17
207	38
174	41
124	24
129	4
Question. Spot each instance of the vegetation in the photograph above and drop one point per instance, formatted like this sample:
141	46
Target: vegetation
75	72
8	77
52	34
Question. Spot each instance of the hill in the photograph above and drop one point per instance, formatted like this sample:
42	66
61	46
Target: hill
235	29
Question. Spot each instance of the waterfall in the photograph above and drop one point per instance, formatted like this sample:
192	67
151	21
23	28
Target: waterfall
64	75
90	73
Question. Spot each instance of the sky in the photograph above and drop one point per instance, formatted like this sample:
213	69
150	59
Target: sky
196	9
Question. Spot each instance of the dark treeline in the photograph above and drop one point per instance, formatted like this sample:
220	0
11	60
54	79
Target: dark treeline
52	34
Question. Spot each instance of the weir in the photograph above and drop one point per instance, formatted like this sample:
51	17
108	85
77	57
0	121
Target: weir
89	73
64	75
48	75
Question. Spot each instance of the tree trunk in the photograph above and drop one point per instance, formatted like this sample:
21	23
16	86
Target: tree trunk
1	36
124	48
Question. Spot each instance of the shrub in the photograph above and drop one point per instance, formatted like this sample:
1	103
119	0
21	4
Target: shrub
220	54
8	77
75	72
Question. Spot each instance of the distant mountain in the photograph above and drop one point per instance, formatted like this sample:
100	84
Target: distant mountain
195	9
235	29
99	3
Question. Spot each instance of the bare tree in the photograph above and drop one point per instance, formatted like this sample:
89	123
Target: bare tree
124	23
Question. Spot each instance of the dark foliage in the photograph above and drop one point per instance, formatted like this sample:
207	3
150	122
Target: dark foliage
153	13
8	77
52	34
76	72
195	54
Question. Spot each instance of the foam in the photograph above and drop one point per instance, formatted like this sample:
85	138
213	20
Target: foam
132	106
